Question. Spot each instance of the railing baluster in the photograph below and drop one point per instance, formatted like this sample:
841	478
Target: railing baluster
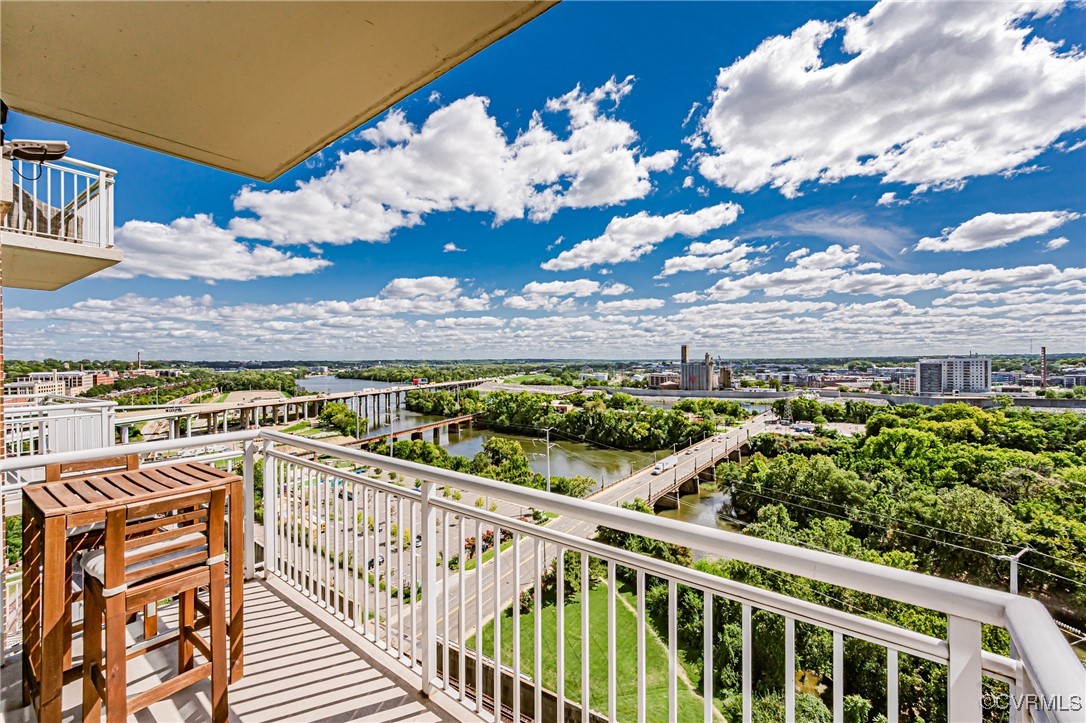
479	616
429	580
414	584
560	631
748	696
838	677
612	682
367	571
34	205
324	521
332	555
707	657
334	531
461	647
586	702
516	626
49	198
403	531
497	623
307	529
378	566
789	670
672	653
891	686
386	507
537	599
445	677
356	602
641	713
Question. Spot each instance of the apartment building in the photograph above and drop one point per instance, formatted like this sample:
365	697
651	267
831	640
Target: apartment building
30	387
954	375
661	379
74	382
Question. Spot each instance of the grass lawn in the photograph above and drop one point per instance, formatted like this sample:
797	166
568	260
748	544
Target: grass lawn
529	379
221	398
656	668
297	427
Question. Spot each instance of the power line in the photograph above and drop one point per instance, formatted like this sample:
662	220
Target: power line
920	537
885	517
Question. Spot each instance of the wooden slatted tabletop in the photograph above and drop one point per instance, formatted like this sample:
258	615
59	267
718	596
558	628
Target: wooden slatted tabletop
87	498
53	509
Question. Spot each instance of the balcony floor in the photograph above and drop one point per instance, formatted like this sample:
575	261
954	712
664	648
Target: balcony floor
298	667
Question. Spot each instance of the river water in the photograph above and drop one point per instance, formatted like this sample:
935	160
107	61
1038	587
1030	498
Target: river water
567	459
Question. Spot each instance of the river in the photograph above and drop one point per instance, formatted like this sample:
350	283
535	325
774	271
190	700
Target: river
568	459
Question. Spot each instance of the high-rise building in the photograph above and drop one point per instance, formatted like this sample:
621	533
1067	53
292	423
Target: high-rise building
955	375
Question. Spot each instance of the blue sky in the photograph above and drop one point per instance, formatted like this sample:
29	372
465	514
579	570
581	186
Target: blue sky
780	179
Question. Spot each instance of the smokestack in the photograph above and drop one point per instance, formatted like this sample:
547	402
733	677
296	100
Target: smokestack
139	360
1044	368
685	355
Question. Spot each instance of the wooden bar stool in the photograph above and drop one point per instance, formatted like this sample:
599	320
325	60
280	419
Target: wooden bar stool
144	560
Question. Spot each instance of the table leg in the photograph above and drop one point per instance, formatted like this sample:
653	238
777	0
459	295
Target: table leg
32	557
53	598
237	580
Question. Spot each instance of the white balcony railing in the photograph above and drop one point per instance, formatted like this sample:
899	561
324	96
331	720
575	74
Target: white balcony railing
50	423
67	200
328	532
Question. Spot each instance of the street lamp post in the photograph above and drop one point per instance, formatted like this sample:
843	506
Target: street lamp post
548	430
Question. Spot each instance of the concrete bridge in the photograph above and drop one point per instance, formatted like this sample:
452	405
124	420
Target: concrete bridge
373	404
453	424
691	465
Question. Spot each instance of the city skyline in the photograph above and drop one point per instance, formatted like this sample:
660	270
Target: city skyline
760	182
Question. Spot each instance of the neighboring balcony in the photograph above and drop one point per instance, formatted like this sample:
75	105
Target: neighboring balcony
355	609
59	228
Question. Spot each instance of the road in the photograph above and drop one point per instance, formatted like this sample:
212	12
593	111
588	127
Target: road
495	598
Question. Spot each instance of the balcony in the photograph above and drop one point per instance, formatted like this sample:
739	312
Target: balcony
59	228
356	608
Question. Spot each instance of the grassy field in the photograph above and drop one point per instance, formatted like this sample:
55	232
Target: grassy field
656	668
304	424
529	379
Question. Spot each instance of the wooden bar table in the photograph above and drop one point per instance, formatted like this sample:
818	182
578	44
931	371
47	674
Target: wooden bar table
53	509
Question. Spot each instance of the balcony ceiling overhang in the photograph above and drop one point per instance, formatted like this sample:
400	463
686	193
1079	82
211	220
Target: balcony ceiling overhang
248	87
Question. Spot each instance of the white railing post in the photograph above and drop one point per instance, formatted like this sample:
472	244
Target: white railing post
103	216
271	489
250	508
429	589
107	427
964	670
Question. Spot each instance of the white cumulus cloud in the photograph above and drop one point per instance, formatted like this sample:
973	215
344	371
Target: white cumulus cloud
196	248
461	159
992	230
716	256
629	238
929	94
629	305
